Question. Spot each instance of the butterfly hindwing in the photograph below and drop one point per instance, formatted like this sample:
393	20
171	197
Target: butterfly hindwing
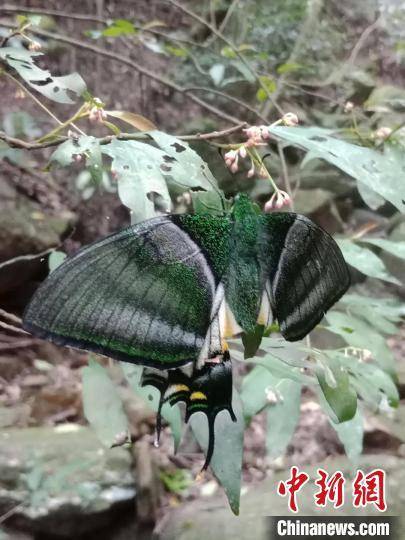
306	272
144	295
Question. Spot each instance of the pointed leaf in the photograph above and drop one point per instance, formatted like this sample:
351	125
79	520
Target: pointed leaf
102	404
226	461
282	417
136	120
340	396
58	89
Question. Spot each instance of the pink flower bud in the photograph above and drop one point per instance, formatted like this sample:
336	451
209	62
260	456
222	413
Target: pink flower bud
268	207
251	171
234	167
78	158
383	132
290	119
242	152
34	46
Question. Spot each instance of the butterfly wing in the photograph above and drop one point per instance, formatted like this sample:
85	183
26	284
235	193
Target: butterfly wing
144	295
305	272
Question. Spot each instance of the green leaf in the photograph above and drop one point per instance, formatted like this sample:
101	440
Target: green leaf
282	417
226	461
335	385
180	52
183	164
350	433
58	89
379	171
120	27
395	248
365	260
85	146
102	404
363	336
228	52
55	259
369	380
268	86
253	390
141	184
151	397
252	340
389	308
370	197
243	70
207	202
289	67
386	98
217	72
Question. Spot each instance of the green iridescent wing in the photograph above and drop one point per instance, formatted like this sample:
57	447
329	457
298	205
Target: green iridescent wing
146	294
305	272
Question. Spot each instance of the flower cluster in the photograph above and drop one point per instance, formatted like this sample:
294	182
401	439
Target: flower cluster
277	200
97	114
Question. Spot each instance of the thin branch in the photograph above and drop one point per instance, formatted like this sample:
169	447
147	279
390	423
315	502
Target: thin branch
229	43
228	97
223	24
13	142
284	170
92	18
134	65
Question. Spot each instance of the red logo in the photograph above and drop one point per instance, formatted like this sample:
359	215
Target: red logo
366	488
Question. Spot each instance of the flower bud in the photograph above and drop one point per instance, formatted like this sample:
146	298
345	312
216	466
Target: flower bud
234	167
290	119
251	171
349	106
383	132
34	46
242	152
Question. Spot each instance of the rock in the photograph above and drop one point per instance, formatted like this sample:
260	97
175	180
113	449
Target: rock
67	484
203	519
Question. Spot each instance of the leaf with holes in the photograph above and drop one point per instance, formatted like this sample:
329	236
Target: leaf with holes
379	171
61	89
183	164
141	184
85	146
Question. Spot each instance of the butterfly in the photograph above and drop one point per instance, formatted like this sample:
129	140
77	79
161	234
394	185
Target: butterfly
168	292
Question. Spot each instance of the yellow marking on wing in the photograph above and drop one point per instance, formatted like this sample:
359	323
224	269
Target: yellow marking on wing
197	395
181	388
224	345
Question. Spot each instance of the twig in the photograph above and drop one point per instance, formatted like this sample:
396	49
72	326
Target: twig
19	143
95	19
134	65
223	24
11	512
228	97
229	43
286	177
